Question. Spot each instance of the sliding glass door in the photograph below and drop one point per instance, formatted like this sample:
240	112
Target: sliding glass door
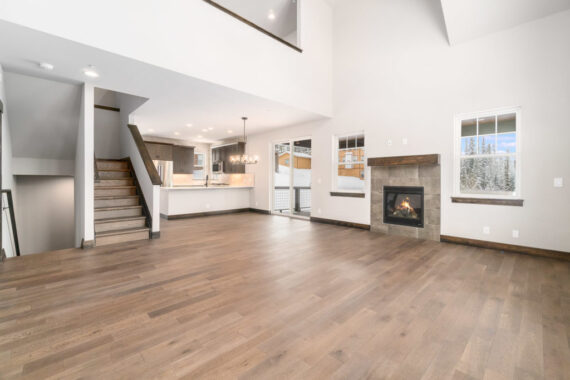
292	177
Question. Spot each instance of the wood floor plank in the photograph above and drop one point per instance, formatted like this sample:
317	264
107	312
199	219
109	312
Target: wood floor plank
252	296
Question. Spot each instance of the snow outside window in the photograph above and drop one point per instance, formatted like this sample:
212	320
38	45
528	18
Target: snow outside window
487	157
350	163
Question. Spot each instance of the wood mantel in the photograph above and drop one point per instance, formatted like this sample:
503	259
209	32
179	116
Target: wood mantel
424	159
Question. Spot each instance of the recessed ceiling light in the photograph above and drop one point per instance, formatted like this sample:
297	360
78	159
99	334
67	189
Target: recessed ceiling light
271	15
46	66
177	133
210	128
189	125
204	130
151	130
91	72
230	131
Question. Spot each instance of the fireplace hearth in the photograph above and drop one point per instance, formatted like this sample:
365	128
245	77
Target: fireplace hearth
404	205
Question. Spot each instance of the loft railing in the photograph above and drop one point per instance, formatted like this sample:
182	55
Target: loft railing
217	4
12	224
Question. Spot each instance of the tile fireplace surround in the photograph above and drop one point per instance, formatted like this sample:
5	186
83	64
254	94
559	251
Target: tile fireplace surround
424	171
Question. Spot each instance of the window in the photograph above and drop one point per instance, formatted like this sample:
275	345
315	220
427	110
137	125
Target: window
199	172
487	157
349	163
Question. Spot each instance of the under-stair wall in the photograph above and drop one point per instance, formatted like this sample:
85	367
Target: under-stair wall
149	186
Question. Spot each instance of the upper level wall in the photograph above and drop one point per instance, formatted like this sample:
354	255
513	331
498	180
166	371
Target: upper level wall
7	177
196	39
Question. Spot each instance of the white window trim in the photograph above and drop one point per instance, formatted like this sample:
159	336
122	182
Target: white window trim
457	152
334	184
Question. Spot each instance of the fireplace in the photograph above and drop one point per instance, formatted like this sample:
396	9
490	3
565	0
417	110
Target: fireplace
404	205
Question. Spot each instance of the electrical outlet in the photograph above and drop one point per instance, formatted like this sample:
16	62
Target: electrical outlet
319	211
256	203
207	205
486	230
389	142
319	181
404	141
558	182
516	234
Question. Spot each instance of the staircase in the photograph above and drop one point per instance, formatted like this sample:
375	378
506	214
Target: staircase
118	208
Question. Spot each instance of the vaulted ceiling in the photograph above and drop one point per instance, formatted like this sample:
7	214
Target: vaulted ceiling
469	19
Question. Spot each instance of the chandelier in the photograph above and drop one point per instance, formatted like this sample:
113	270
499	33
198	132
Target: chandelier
243	159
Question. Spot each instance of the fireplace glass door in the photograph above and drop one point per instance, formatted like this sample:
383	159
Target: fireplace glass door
404	205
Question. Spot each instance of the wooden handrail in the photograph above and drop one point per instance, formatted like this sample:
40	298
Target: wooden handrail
13	219
147	160
107	108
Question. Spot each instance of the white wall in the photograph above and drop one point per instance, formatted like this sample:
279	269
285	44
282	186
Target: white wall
42	166
84	171
7	178
107	140
396	76
45	213
171	34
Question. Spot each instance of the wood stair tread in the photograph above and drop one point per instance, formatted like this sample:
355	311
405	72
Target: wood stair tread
114	208
119	219
114	187
113	170
121	232
109	197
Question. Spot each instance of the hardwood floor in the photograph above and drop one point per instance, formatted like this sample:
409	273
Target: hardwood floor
268	297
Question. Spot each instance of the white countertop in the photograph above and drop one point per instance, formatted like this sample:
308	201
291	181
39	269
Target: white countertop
211	187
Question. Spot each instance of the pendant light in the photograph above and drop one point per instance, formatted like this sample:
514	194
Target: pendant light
243	159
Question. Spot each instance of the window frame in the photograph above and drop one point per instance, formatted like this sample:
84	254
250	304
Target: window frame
457	152
335	150
202	167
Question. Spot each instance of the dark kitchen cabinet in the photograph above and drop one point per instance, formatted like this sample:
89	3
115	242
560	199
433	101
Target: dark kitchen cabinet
159	151
182	159
223	153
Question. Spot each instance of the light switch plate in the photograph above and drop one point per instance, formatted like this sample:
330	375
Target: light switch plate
516	234
389	142
486	230
404	141
558	182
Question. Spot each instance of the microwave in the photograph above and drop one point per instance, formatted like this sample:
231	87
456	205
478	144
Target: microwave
218	167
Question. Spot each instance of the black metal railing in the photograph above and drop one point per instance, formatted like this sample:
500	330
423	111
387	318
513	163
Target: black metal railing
8	193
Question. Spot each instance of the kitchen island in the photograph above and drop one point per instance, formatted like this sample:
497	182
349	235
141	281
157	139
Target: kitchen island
180	202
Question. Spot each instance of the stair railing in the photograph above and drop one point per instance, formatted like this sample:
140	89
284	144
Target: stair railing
12	225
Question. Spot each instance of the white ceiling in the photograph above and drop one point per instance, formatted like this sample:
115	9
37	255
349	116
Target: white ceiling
175	100
43	116
257	11
468	19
